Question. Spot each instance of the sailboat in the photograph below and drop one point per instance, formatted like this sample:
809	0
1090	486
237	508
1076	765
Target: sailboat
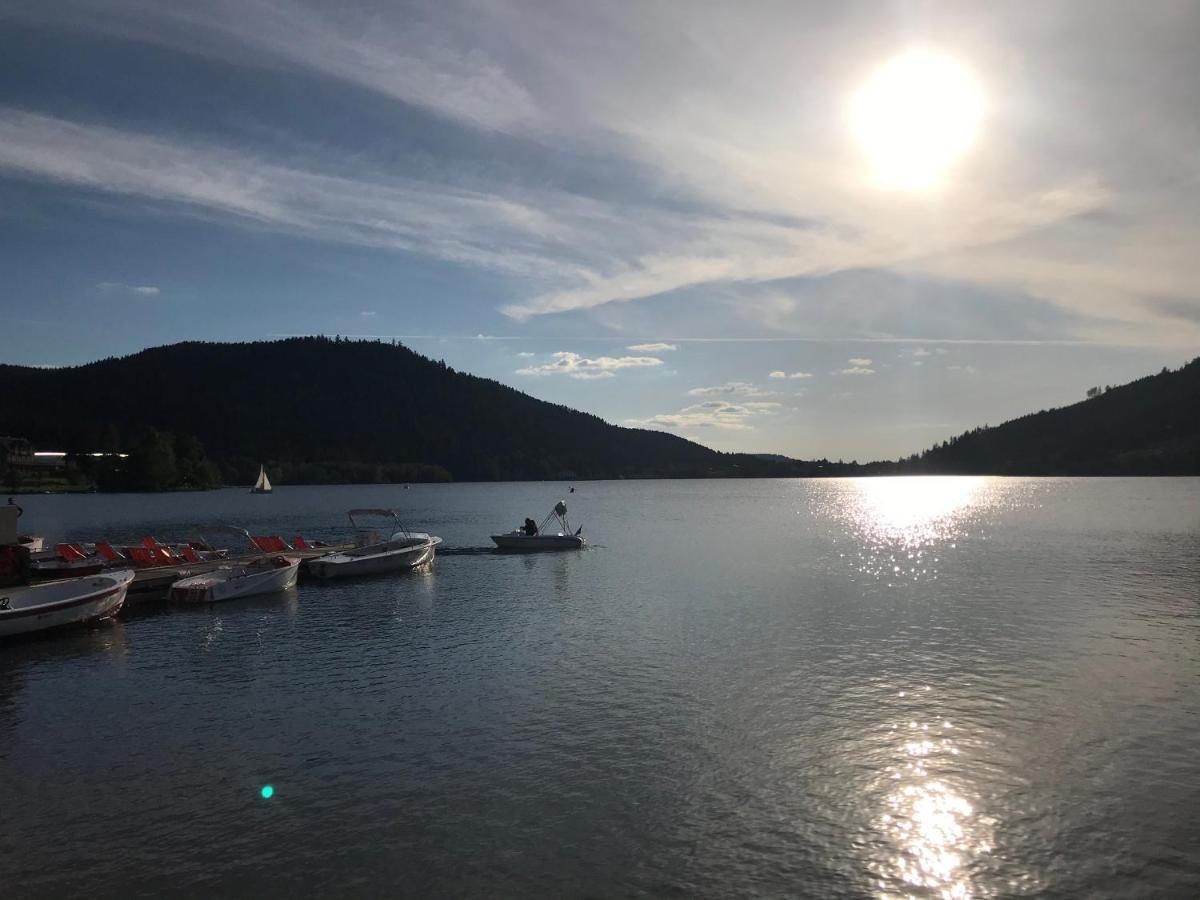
263	485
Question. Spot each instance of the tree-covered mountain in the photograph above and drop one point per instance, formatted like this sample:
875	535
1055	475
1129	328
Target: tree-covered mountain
1147	427
320	410
328	410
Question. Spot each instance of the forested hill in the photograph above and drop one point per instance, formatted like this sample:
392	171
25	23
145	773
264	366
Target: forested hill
1147	427
319	409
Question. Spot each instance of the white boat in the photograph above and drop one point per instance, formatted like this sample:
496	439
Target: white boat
27	609
263	484
372	554
533	538
260	576
31	542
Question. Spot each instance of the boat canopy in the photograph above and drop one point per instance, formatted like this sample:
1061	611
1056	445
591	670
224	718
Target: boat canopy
207	531
357	515
559	512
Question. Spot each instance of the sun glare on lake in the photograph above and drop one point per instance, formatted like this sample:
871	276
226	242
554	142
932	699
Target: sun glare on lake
915	117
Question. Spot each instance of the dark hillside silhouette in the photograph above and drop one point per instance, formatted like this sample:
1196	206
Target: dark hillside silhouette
321	409
1147	427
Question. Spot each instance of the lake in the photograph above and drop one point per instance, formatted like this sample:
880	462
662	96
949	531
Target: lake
930	687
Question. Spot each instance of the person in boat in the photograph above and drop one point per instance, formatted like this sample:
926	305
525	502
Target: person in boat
530	527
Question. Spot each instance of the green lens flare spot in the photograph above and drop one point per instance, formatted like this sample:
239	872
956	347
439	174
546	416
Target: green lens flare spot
267	792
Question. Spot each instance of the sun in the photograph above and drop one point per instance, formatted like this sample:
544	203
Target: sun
916	116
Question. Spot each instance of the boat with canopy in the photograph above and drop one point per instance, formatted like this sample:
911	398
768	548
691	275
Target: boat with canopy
373	553
532	537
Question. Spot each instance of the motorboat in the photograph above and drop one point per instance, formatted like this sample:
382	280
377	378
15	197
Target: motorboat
24	610
263	484
31	542
260	576
372	554
533	538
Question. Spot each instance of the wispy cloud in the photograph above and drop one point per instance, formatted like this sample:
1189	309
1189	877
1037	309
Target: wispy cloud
139	290
368	208
710	414
652	348
730	389
575	366
748	186
779	373
405	56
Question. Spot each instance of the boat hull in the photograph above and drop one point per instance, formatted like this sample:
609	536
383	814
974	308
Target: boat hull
350	564
70	602
537	543
221	585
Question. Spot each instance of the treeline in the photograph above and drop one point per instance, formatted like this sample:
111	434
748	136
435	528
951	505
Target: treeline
242	470
320	409
1147	427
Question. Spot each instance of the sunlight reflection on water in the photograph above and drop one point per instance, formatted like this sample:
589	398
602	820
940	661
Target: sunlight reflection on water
934	831
901	524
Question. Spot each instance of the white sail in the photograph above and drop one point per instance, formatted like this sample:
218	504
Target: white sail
263	485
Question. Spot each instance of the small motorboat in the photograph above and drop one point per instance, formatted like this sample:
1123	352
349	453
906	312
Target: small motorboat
372	553
531	537
31	542
259	576
263	484
27	609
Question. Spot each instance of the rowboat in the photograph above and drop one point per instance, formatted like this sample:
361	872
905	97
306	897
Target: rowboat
28	609
374	555
533	538
260	576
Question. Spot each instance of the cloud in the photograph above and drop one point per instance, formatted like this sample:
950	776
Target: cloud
140	290
858	366
707	180
365	208
368	313
652	348
710	414
525	354
413	59
778	373
730	389
575	366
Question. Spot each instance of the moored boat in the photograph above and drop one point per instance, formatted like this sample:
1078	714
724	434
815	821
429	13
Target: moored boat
259	576
533	538
374	555
24	610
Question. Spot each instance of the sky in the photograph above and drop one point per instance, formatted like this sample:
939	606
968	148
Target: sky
663	213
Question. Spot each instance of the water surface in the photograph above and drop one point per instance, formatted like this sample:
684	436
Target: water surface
931	687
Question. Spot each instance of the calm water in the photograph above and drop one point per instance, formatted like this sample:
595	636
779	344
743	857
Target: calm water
958	687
